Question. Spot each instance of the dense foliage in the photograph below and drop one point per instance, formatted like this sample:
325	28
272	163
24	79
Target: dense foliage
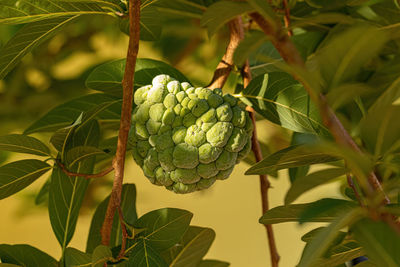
333	84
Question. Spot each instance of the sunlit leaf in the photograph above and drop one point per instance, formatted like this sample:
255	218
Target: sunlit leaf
17	175
65	114
27	38
282	100
23	144
290	157
108	77
24	11
25	255
293	213
164	228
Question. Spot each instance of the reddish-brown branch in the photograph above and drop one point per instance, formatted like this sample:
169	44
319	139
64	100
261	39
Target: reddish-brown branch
350	182
87	176
264	187
126	111
226	64
286	18
290	54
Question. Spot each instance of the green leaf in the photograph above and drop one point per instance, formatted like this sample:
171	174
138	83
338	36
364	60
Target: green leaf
108	77
164	228
144	255
293	156
344	54
214	19
65	114
75	258
213	263
67	193
182	8
8	265
318	246
377	129
17	175
27	38
128	207
61	137
150	23
264	8
306	183
346	93
341	253
191	249
101	255
25	11
26	255
320	19
23	144
380	242
79	153
293	212
282	100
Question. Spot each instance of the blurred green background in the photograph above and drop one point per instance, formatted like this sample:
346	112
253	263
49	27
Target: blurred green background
56	71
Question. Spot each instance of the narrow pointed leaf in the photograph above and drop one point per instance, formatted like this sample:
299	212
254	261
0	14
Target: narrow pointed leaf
65	114
27	38
43	194
303	184
25	11
294	156
23	144
67	193
294	212
79	153
17	175
26	255
322	241
164	228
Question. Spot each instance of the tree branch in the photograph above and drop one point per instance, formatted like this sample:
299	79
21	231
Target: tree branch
127	83
226	64
87	176
290	54
286	18
264	187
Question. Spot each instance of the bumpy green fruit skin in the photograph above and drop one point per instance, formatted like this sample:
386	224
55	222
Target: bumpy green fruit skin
186	138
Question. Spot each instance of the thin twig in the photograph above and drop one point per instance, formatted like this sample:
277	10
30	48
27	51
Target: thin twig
286	18
226	64
125	234
126	111
264	187
290	54
350	182
87	176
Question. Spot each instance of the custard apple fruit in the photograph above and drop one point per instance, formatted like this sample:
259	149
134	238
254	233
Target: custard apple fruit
186	138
